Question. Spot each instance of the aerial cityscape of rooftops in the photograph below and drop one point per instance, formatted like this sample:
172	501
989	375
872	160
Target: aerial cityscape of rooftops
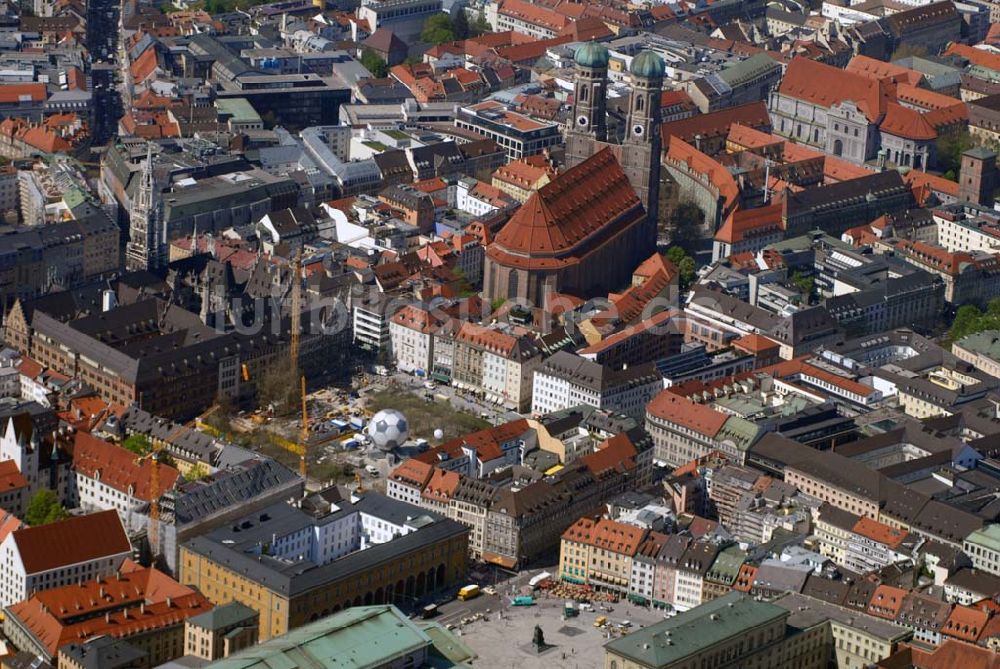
541	334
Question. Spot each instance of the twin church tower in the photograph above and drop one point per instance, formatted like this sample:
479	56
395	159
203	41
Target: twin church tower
587	131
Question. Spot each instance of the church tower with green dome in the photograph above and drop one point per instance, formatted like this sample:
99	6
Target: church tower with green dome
639	152
590	95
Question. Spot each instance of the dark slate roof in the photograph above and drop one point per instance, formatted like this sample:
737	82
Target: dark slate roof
289	579
385	41
226	489
104	652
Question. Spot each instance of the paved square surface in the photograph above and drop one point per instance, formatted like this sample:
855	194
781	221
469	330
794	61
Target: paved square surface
576	643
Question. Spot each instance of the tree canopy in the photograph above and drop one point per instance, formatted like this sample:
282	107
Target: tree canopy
44	508
950	147
970	319
685	265
138	444
438	29
374	63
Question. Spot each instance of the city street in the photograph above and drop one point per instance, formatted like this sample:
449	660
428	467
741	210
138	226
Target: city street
102	43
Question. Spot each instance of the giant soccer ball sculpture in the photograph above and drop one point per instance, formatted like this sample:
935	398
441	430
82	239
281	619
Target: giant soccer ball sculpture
388	429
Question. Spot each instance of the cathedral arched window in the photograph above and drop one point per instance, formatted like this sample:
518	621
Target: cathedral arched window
584	93
638	103
512	284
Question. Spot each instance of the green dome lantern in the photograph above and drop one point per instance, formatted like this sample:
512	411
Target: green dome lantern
648	65
592	54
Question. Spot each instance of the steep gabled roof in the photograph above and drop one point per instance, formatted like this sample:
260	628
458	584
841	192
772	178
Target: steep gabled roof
907	123
80	539
118	467
573	206
825	86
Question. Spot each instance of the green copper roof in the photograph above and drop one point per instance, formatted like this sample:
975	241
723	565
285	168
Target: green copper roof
362	636
691	632
592	54
988	537
648	65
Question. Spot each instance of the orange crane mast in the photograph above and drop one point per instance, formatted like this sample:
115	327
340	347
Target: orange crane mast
154	479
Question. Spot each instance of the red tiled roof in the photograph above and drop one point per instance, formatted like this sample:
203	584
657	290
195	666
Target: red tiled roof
745	578
680	410
886	602
412	471
442	485
616	454
745	223
880	532
424	321
980	57
80	538
136	601
880	69
586	29
799	367
558	217
965	623
680	151
531	51
951	654
118	467
716	123
906	123
745	137
10	479
938	257
9	523
609	535
535	15
923	98
838	169
10	93
29	368
144	65
755	343
824	85
919	181
525	173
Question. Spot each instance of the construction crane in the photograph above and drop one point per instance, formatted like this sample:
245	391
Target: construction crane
291	447
296	311
154	478
304	434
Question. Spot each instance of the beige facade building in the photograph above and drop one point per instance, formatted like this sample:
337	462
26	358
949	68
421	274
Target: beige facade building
219	633
599	553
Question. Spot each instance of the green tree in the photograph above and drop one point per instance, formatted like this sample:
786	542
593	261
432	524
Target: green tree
197	472
969	319
686	222
374	63
278	387
805	284
44	508
137	443
950	147
907	50
438	30
684	263
460	25
480	26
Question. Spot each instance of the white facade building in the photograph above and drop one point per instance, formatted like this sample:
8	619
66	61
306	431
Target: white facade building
61	553
566	380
